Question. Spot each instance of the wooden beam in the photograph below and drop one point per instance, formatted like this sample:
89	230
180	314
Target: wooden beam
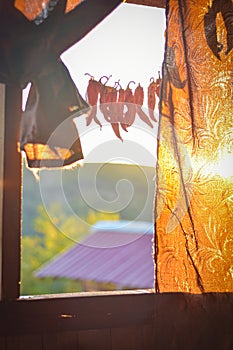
11	195
81	312
187	319
78	23
154	3
2	128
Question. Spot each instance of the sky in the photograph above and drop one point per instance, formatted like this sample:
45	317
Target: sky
129	45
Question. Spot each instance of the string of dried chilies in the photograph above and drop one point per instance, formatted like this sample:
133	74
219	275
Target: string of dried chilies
120	106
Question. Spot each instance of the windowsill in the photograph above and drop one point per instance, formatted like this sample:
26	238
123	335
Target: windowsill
86	294
76	311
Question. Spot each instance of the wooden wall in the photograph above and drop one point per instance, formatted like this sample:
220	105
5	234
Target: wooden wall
128	321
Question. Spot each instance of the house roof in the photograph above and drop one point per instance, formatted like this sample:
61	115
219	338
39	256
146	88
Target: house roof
119	254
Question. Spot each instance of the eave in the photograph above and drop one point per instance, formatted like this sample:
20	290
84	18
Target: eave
153	3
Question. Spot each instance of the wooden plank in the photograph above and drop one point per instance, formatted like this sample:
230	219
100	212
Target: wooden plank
154	3
60	341
78	23
76	313
50	341
127	338
2	129
11	203
148	336
95	339
184	317
24	342
3	343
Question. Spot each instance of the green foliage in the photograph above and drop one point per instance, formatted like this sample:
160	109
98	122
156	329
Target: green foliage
35	253
93	217
104	179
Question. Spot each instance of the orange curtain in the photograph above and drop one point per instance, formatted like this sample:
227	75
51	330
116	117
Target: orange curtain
32	9
194	199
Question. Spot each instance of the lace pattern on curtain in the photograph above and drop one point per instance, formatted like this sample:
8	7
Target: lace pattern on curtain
194	207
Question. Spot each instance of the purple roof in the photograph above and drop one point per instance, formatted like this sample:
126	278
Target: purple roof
107	255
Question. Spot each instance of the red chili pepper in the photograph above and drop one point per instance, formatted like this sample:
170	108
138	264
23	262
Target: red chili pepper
158	86
93	91
108	106
105	100
104	94
120	108
116	129
139	95
130	114
113	113
138	98
151	99
112	105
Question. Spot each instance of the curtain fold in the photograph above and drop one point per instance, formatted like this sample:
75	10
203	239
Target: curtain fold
194	198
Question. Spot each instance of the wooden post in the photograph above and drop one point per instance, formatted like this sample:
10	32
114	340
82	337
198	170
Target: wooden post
2	128
10	196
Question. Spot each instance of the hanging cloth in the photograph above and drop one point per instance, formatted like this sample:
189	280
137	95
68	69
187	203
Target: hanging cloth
49	136
33	35
194	206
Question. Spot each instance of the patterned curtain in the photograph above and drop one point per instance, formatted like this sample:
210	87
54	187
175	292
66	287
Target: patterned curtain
194	199
39	10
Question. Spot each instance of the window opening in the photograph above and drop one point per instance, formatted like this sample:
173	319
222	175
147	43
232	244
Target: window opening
112	192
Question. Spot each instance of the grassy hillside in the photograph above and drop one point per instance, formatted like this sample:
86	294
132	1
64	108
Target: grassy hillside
126	189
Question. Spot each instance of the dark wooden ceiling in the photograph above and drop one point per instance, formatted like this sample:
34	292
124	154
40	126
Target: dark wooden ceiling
154	3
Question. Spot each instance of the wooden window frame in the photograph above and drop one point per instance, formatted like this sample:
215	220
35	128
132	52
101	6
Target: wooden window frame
11	174
132	307
10	196
11	183
64	312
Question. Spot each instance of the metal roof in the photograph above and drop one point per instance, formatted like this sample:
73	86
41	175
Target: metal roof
122	258
142	227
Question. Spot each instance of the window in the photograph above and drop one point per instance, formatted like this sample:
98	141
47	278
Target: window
66	197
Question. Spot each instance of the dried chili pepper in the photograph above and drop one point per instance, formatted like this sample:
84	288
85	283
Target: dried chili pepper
139	98
111	104
130	114
112	112
151	99
108	102
105	97
114	106
120	108
116	129
93	91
